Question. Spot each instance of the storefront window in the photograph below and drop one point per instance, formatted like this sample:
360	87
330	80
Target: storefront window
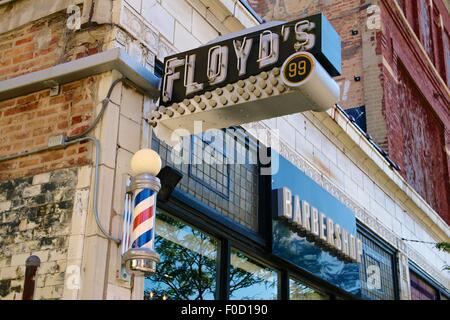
188	266
223	175
421	290
376	270
250	280
300	291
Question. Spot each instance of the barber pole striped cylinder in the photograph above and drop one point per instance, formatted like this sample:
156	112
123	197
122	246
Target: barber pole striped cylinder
143	233
139	239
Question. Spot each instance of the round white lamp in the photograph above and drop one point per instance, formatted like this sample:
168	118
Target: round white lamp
140	257
146	161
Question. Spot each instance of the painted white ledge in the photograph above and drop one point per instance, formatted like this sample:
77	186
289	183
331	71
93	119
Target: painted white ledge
114	59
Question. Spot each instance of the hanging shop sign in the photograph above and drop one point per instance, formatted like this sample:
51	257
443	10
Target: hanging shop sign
240	77
312	229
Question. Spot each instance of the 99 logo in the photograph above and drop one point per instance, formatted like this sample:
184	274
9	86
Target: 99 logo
297	68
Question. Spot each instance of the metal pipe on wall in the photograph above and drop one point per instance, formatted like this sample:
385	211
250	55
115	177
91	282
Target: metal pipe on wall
81	138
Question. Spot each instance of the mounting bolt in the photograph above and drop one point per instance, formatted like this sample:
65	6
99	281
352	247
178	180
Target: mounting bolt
54	91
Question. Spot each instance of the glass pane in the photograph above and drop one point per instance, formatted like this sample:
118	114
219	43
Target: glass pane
300	291
188	266
376	271
250	280
227	182
421	290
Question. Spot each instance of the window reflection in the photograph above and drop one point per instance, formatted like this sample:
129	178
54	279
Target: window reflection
250	280
376	271
300	291
188	266
421	290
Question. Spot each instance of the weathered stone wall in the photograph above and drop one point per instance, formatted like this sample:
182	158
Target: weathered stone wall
27	123
35	216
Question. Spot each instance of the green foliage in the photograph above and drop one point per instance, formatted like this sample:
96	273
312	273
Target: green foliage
188	266
443	246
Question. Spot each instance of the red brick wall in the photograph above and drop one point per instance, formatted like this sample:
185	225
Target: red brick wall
27	122
30	48
418	115
422	140
42	44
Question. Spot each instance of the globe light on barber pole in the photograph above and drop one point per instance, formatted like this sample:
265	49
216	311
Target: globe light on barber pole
139	255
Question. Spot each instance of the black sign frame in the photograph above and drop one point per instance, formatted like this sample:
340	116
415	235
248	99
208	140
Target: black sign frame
326	40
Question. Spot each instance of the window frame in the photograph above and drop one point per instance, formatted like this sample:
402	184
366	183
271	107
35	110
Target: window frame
413	267
259	261
366	232
256	244
209	235
290	277
231	235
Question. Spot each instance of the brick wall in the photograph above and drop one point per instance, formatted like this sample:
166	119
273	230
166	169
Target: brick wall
345	16
32	47
27	122
422	142
417	117
44	43
35	215
37	191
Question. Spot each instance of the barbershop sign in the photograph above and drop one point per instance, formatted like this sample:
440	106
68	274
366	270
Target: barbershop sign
303	208
240	77
317	226
233	59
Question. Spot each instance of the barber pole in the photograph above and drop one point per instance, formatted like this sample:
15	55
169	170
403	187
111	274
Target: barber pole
143	234
138	242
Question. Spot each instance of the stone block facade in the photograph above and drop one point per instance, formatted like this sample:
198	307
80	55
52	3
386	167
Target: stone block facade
35	219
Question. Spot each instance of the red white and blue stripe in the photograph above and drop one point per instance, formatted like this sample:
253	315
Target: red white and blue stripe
143	229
